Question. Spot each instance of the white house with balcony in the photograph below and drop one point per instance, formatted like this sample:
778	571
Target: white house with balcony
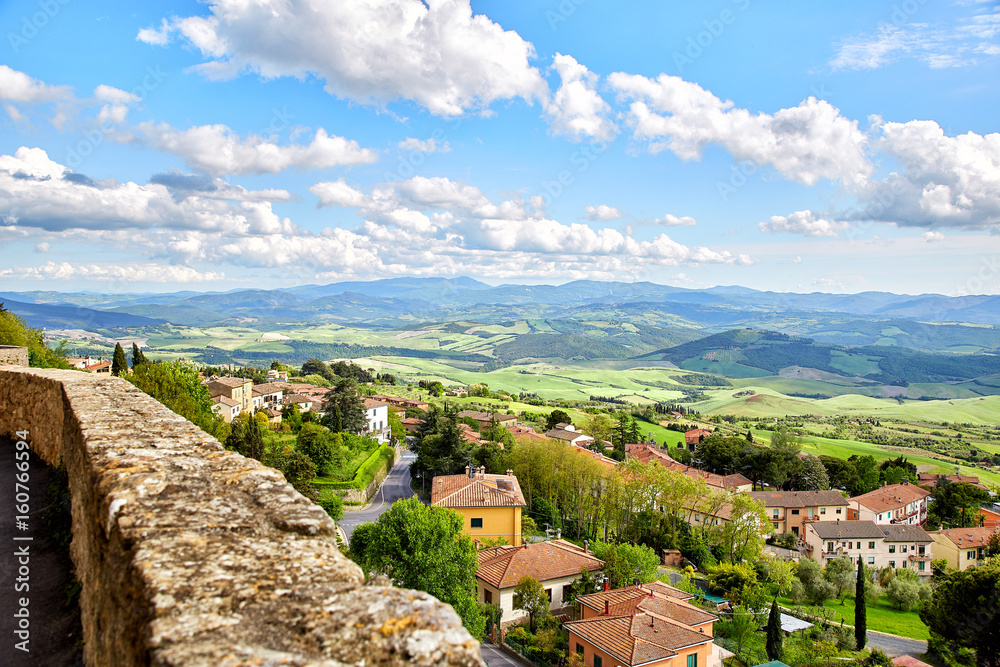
892	504
377	413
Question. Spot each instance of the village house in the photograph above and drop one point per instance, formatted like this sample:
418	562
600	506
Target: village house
646	453
377	414
236	389
928	480
961	547
568	433
489	504
226	407
990	517
487	419
304	403
789	510
401	404
895	503
412	425
900	546
267	396
555	564
694	437
606	462
276	376
99	367
519	431
649	625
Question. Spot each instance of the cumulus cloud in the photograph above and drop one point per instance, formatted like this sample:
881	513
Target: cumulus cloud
424	146
35	191
17	86
437	54
602	212
216	149
152	273
933	237
806	143
576	110
116	103
673	221
806	223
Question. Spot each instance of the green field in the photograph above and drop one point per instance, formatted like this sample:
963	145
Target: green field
882	617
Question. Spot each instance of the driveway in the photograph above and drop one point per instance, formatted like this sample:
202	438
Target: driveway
494	657
395	487
894	645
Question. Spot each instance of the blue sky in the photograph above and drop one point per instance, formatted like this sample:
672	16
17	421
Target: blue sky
837	147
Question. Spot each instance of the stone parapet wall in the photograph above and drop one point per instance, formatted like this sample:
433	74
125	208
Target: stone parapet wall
14	355
193	555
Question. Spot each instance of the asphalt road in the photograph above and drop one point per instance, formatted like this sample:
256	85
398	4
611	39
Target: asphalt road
894	646
494	657
395	487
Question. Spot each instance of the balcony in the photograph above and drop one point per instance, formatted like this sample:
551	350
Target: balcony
190	554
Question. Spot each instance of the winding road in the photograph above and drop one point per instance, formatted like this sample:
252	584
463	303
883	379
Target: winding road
395	487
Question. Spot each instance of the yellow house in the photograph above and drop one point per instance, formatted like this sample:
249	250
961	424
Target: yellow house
961	547
490	504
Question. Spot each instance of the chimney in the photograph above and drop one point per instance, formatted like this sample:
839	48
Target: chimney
586	546
651	621
510	472
606	586
467	471
607	606
558	533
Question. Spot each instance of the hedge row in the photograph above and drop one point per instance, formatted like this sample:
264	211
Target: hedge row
380	459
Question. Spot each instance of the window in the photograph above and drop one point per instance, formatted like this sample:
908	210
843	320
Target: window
488	596
871	560
871	545
775	525
477	523
579	649
920	550
904	548
775	513
920	566
822	510
548	593
892	564
598	662
838	510
795	512
892	548
970	555
859	545
829	547
692	660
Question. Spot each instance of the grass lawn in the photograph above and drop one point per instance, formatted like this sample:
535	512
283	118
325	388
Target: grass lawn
883	617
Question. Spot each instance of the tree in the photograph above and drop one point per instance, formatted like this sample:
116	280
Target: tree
964	611
119	364
775	649
314	366
598	426
557	417
584	585
298	470
314	441
423	547
138	357
840	574
812	476
903	592
625	562
345	399
860	608
332	503
246	437
740	628
742	537
177	386
815	584
867	475
532	598
955	504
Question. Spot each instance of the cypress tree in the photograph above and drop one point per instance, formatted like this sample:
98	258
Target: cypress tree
860	609
775	649
137	356
119	364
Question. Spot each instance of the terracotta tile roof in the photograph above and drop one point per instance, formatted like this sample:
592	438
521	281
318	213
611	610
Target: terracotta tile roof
647	453
798	499
894	496
639	639
525	431
297	398
929	480
225	400
268	388
503	567
372	403
482	491
905	533
605	461
486	416
966	537
231	382
626	601
470	434
661	588
836	530
412	422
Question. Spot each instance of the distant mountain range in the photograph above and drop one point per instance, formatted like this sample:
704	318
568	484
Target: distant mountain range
849	319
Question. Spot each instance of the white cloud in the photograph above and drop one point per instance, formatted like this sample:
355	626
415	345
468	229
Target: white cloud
797	260
435	53
117	104
424	146
805	223
38	192
339	193
576	110
933	237
42	247
806	143
940	45
17	86
216	149
673	221
153	273
602	212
